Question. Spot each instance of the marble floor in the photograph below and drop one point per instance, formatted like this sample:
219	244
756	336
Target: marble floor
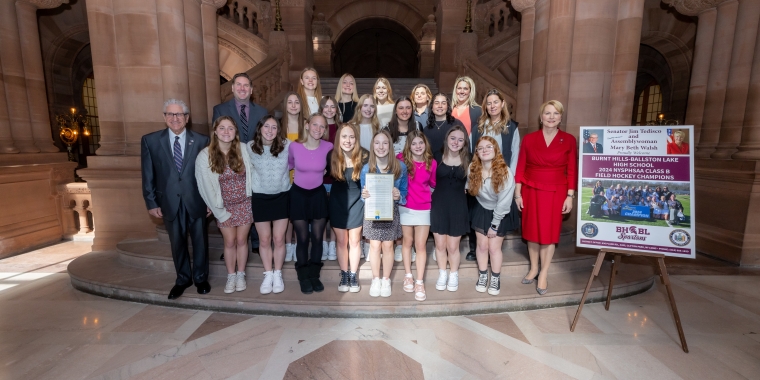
48	330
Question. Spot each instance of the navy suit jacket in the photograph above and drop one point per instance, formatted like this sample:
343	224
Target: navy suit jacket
255	113
163	186
589	148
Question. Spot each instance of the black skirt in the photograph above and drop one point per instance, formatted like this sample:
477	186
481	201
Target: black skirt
480	220
308	204
269	207
346	206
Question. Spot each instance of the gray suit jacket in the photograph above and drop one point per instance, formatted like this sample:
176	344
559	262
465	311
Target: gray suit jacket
163	186
228	108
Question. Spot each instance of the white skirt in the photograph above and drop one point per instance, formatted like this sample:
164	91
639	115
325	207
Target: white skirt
411	217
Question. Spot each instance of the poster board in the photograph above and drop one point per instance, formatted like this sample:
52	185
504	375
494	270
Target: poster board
622	170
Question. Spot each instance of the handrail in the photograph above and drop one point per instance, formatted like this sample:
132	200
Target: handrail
485	80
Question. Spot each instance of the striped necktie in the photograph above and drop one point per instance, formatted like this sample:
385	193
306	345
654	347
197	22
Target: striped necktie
243	123
177	154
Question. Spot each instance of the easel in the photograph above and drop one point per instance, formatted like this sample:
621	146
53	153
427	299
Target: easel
663	276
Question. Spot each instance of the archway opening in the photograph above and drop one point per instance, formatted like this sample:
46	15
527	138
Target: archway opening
376	47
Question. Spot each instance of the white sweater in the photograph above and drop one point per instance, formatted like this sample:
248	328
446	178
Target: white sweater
270	173
500	202
208	183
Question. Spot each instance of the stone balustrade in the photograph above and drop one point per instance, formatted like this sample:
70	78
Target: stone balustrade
252	15
77	211
266	78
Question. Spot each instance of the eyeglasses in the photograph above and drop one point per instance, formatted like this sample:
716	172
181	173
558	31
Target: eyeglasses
171	115
484	148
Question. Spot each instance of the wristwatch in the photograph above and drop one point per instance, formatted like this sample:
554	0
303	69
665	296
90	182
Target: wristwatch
494	227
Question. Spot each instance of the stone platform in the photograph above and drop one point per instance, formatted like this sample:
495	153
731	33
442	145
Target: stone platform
143	271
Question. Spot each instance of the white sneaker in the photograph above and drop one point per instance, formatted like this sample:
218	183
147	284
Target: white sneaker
289	250
385	287
414	255
240	282
332	252
230	286
443	278
325	250
267	283
453	284
397	256
374	289
278	285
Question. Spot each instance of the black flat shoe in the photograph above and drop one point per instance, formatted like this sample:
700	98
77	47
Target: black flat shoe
204	287
471	256
177	291
221	257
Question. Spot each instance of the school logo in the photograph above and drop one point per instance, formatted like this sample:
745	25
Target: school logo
589	230
680	237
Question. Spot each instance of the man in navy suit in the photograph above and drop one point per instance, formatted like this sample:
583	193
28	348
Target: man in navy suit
246	115
171	193
592	146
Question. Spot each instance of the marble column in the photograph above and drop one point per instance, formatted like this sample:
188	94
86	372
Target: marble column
450	15
523	111
749	149
700	71
172	49
31	53
17	100
623	81
211	54
738	85
296	22
715	96
196	76
560	49
538	70
6	138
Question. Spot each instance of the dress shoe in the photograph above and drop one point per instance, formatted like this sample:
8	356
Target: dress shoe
177	291
471	256
204	287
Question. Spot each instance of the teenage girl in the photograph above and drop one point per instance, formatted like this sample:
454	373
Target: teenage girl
384	99
347	97
328	107
310	89
292	122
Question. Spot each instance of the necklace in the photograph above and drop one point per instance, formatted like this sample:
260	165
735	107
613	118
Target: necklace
441	124
342	108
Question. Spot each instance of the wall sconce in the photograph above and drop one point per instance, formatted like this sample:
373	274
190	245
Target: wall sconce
69	127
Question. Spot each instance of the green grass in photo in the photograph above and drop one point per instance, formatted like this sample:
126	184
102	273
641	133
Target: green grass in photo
586	201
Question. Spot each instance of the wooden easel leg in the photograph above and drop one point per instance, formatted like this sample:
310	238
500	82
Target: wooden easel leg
612	281
666	280
594	273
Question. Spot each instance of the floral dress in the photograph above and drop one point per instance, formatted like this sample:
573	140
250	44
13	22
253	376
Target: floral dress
235	200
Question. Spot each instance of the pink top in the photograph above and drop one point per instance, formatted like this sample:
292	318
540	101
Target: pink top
418	197
309	165
464	117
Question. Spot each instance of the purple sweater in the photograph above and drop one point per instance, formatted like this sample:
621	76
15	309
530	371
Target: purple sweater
309	165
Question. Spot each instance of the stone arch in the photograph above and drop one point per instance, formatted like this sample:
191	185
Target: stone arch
352	12
232	59
376	47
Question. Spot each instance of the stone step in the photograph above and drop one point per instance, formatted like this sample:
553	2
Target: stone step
105	274
156	255
400	86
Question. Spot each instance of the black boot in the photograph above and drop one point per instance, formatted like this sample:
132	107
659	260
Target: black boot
314	269
303	280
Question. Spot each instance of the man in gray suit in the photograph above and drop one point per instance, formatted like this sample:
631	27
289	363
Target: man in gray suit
171	193
246	115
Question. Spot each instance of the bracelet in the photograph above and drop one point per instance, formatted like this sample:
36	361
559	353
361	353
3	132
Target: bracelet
518	197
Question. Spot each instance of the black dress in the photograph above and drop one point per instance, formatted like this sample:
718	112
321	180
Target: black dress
436	134
346	206
448	211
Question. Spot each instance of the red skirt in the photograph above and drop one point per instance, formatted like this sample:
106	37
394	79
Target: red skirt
542	214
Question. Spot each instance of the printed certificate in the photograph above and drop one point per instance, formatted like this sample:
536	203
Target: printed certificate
379	205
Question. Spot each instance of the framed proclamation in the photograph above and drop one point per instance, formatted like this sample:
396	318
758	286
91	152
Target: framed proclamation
379	205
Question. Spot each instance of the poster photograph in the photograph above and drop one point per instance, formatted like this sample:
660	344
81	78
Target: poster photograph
635	189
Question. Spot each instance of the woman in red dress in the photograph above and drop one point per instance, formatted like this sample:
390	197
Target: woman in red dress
678	146
546	177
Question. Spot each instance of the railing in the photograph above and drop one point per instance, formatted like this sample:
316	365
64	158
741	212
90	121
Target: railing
252	15
268	86
485	80
77	211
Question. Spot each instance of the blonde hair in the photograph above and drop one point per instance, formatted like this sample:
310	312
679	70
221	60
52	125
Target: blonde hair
304	137
471	83
554	103
389	98
302	91
357	119
339	89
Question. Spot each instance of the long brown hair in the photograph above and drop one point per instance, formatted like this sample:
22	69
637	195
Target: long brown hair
464	153
499	169
393	123
357	119
337	118
278	144
394	165
301	117
485	118
427	155
217	160
338	161
302	91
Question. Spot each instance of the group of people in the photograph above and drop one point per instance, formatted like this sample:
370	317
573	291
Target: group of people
662	202
459	168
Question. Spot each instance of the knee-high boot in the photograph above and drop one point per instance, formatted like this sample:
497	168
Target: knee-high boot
303	279
314	270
